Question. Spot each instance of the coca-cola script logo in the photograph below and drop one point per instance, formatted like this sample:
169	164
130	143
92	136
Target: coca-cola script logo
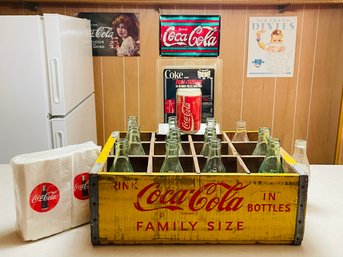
81	185
44	197
102	32
211	196
188	112
187	120
189	35
199	37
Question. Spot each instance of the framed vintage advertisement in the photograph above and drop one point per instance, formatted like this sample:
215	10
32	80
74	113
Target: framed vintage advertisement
114	34
182	77
271	48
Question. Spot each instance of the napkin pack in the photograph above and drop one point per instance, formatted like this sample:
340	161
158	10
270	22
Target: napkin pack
51	189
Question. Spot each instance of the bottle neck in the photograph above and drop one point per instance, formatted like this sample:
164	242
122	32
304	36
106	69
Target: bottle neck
172	148
300	147
215	148
240	127
174	133
172	122
132	120
210	122
121	149
134	135
273	148
209	133
263	135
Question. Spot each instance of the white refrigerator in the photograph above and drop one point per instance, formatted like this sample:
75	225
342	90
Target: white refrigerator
46	83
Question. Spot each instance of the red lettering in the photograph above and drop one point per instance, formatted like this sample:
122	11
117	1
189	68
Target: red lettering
207	197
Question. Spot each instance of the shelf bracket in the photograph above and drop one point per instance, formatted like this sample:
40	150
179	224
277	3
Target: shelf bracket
30	5
283	7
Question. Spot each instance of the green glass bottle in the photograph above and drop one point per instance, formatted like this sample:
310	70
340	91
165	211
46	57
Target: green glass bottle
210	132
174	133
135	144
210	122
171	162
241	132
262	143
299	154
214	161
172	123
131	121
272	162
121	161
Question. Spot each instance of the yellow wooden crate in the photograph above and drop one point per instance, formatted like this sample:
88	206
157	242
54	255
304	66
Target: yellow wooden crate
237	207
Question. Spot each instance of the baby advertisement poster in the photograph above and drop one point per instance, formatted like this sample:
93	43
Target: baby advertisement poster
271	46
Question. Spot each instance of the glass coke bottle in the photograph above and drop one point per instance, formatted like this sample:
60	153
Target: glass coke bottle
174	133
241	132
135	144
300	155
262	143
210	122
210	132
214	161
131	121
272	162
121	161
172	123
171	162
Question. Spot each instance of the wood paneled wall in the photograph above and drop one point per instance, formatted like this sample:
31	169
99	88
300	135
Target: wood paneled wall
304	106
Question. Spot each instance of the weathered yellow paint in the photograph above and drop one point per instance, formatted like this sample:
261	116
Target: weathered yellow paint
126	214
231	208
289	159
106	150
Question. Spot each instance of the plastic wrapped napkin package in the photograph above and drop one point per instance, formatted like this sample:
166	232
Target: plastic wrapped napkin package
51	189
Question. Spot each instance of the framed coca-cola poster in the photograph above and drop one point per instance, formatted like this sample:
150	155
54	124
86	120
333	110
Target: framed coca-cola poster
175	78
114	34
189	35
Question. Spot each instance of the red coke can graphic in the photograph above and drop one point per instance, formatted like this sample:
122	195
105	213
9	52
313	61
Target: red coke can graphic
188	112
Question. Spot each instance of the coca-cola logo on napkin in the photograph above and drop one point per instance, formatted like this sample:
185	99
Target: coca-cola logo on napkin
44	197
81	182
189	35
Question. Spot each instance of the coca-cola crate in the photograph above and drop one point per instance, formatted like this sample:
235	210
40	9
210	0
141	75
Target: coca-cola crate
237	207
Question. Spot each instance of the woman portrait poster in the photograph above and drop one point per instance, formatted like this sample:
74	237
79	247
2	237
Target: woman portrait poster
114	34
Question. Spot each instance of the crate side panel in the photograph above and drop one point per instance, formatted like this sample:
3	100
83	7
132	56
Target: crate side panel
197	208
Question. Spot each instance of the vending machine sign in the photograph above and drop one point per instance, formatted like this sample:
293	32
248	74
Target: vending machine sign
181	78
189	35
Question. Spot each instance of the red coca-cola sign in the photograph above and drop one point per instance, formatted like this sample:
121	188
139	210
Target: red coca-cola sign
44	197
81	186
188	111
189	35
218	196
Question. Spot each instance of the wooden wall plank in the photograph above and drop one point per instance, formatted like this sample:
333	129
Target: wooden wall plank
132	86
286	93
258	93
327	86
114	94
304	71
232	51
149	28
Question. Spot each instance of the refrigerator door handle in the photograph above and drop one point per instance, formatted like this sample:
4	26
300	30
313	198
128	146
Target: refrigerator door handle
55	77
59	139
